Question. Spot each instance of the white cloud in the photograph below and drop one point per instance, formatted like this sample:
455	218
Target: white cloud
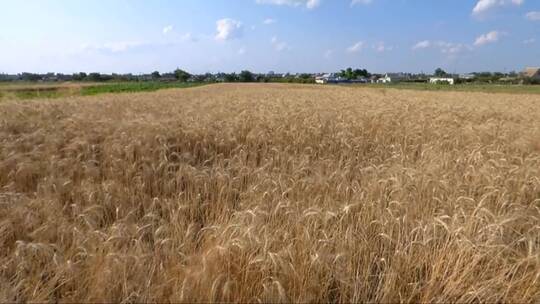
357	47
483	6
309	4
313	3
167	29
279	45
448	48
328	54
115	47
533	16
242	51
228	29
269	21
382	47
451	48
422	45
188	37
364	2
490	37
529	41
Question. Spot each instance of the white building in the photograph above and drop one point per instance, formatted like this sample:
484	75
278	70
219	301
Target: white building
441	80
392	77
467	76
328	78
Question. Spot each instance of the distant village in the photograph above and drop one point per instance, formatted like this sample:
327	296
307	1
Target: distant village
530	75
527	76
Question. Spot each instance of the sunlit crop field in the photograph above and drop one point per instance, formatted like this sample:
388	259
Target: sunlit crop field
269	193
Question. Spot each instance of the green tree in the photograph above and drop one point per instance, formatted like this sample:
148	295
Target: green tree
79	76
30	77
349	73
208	77
361	73
156	75
181	75
440	72
246	76
94	77
497	75
230	77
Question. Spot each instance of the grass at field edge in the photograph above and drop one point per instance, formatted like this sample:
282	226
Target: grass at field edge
482	88
35	92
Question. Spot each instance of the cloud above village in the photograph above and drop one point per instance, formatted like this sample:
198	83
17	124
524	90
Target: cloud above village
422	45
382	47
115	47
309	4
269	21
452	48
279	45
175	37
167	29
483	6
188	37
361	2
355	48
228	29
445	47
533	16
488	38
328	54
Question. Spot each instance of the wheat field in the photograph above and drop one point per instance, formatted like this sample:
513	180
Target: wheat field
271	193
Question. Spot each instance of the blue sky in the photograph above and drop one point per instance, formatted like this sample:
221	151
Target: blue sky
268	35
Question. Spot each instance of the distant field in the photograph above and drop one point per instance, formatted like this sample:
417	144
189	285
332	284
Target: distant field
131	87
30	90
54	90
266	193
486	88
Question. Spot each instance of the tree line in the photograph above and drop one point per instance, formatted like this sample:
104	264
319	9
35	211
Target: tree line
180	75
177	75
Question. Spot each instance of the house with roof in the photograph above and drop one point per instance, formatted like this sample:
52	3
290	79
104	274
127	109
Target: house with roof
442	80
168	77
392	78
328	78
373	79
531	73
467	76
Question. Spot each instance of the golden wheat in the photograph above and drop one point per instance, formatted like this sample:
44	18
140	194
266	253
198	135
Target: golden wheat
271	193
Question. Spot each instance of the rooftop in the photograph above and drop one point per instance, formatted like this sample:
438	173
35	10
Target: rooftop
531	72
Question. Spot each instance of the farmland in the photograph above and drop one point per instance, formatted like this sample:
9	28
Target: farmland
57	90
467	87
33	90
271	192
